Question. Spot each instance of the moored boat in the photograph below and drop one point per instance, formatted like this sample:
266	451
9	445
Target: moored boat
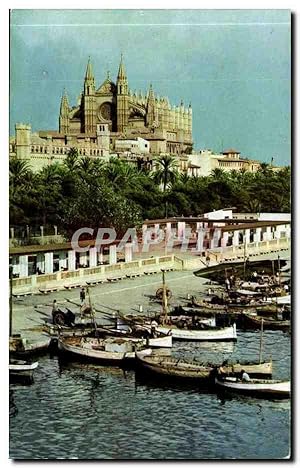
213	334
22	347
254	322
272	388
253	369
113	350
23	369
173	367
184	369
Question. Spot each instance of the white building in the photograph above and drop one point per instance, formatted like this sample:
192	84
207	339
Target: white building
204	162
135	146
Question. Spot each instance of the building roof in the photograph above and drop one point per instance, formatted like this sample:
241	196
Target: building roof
231	151
232	160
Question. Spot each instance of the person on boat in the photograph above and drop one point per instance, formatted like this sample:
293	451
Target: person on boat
154	325
221	371
54	307
82	295
227	284
244	376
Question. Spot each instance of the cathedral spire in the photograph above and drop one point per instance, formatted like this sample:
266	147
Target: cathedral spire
122	71
64	121
122	83
89	75
64	104
151	97
89	80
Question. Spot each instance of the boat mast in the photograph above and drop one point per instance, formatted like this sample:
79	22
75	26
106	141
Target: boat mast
164	299
279	279
92	312
261	341
244	259
10	299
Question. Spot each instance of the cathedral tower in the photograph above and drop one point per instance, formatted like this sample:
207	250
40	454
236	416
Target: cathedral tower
89	101
151	117
122	98
64	121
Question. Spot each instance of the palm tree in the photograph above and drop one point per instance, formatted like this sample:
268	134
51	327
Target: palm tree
49	178
184	178
252	205
264	169
85	166
18	171
71	161
121	174
166	173
218	174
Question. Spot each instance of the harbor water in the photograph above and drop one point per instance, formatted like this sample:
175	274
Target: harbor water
86	411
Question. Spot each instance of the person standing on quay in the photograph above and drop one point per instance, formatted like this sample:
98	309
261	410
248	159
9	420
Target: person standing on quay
82	295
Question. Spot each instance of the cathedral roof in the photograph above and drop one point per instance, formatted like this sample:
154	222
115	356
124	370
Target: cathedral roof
107	87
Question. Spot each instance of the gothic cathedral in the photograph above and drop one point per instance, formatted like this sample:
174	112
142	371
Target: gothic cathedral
128	115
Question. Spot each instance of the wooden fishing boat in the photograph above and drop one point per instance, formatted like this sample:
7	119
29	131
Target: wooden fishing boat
272	388
104	351
206	304
18	368
253	369
254	322
172	367
180	368
160	341
77	330
213	334
19	346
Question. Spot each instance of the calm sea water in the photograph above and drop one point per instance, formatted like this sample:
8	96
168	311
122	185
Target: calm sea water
87	411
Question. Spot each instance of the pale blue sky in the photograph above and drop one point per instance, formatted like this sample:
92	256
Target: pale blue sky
233	66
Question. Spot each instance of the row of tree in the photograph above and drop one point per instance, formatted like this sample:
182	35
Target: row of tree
86	192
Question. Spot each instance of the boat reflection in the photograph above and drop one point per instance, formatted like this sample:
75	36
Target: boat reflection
66	366
13	410
152	382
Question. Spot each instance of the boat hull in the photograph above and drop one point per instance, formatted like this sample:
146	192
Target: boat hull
223	334
254	323
256	387
254	370
22	370
97	355
174	368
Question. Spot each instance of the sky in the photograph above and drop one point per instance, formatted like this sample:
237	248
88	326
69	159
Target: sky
234	66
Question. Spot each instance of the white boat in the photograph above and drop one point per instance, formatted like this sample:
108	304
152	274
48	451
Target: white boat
162	341
215	334
282	300
22	368
278	388
159	342
112	350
